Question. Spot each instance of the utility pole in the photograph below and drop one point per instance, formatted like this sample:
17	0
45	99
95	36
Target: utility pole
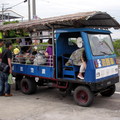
3	12
34	8
29	11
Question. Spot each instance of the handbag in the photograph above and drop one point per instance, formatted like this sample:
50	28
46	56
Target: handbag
3	66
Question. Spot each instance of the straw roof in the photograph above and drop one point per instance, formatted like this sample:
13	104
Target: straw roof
95	19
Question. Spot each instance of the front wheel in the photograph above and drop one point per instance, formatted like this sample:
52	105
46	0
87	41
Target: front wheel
83	96
109	91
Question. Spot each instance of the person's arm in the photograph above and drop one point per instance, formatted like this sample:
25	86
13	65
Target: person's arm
46	54
0	57
9	58
30	47
9	63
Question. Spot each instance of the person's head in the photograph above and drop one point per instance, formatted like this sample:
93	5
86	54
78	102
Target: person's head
8	45
28	40
79	42
1	42
50	41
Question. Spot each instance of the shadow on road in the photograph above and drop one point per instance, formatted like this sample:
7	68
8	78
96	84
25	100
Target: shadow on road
111	103
53	95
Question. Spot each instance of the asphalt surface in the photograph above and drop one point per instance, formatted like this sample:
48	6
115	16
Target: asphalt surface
50	104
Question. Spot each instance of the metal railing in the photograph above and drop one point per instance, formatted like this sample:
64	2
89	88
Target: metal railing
33	60
33	57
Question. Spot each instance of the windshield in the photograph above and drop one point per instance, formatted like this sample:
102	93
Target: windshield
101	44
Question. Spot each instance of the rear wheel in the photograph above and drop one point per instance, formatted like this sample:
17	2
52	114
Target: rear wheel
83	96
109	91
28	86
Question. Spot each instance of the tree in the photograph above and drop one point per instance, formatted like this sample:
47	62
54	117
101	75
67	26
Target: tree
117	47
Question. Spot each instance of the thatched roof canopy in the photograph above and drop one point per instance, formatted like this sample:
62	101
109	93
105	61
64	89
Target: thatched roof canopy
93	19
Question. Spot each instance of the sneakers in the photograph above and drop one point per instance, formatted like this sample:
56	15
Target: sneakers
8	95
2	95
80	77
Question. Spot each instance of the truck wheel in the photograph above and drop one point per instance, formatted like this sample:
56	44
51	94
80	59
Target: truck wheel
28	86
83	96
109	91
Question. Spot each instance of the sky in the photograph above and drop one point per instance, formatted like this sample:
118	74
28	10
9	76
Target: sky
50	8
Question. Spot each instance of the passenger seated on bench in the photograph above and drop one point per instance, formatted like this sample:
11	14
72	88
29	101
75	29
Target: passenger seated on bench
76	55
40	58
26	45
16	51
75	58
35	50
78	58
48	53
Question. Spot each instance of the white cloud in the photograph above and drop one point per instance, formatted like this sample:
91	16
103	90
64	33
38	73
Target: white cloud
52	7
115	34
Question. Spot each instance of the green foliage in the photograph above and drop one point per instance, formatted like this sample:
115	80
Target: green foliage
42	46
14	33
5	23
117	47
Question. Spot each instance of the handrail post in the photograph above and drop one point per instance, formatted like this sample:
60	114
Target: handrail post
53	44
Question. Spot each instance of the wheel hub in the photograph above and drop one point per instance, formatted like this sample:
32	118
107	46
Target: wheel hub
82	96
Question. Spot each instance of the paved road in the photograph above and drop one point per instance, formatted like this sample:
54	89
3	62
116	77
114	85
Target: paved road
49	104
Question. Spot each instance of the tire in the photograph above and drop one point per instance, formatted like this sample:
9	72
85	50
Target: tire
109	91
28	86
83	96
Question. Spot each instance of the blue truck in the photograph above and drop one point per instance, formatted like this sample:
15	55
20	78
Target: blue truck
101	73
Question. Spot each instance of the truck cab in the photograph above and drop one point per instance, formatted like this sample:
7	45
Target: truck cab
101	58
101	72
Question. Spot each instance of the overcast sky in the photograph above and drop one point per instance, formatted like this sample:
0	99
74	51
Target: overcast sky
50	8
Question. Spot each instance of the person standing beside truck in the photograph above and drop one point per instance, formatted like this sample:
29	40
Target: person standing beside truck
1	47
6	58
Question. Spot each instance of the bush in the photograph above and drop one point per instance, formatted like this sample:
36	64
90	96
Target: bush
10	22
117	47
